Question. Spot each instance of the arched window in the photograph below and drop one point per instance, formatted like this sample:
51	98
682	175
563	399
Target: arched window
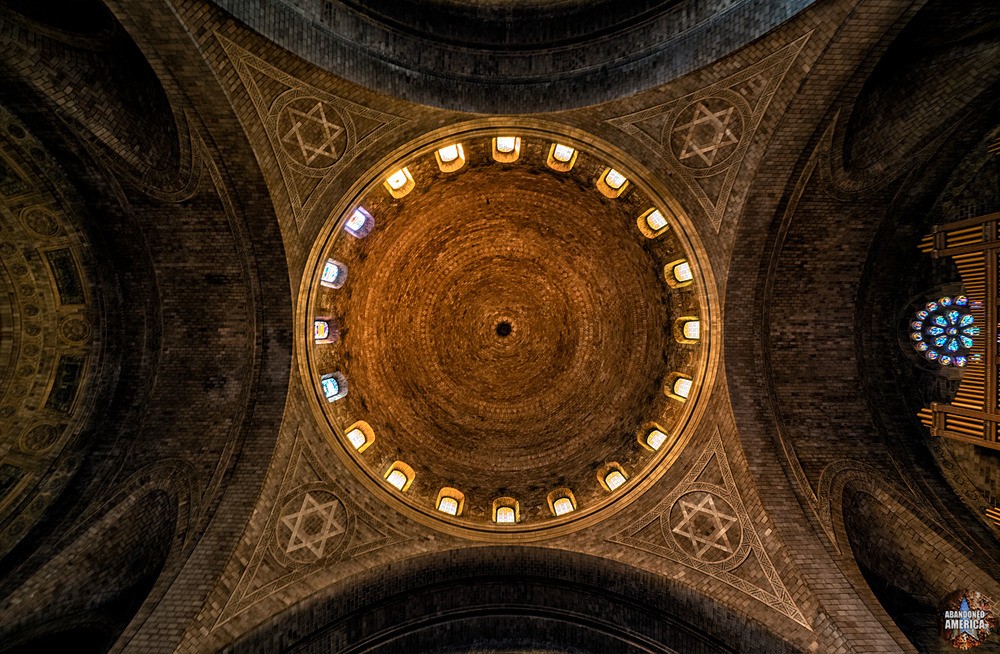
506	511
653	437
359	223
943	331
334	386
325	329
687	329
450	158
612	183
506	149
399	183
561	501
653	222
400	476
360	435
678	386
561	157
611	476
678	273
334	274
450	501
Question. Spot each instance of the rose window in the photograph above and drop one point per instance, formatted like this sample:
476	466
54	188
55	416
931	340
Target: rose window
942	331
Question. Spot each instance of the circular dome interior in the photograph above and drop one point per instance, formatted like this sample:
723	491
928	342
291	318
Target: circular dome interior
506	330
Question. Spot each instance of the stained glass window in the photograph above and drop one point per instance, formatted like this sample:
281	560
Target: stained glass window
331	271
330	387
397	180
357	220
321	330
692	329
943	331
505	515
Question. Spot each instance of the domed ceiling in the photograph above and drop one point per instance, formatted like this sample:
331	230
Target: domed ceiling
507	329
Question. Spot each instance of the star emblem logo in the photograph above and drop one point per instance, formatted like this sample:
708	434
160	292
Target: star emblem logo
707	133
313	133
313	525
705	526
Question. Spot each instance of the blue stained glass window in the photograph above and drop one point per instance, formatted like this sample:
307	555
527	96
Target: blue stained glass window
942	331
330	387
330	272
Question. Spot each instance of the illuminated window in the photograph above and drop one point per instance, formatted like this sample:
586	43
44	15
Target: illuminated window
321	330
943	331
612	183
653	439
687	329
655	220
678	273
450	501
678	386
506	149
562	506
360	223
614	179
397	478
450	158
561	157
506	511
506	143
360	435
399	475
334	386
399	183
334	274
562	153
614	479
561	501
357	438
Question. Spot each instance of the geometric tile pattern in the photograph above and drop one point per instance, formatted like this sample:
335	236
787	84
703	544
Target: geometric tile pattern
703	137
709	133
315	522
311	527
314	135
703	526
702	523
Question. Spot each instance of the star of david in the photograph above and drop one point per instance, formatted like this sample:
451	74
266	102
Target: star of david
313	525
707	133
705	526
313	133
